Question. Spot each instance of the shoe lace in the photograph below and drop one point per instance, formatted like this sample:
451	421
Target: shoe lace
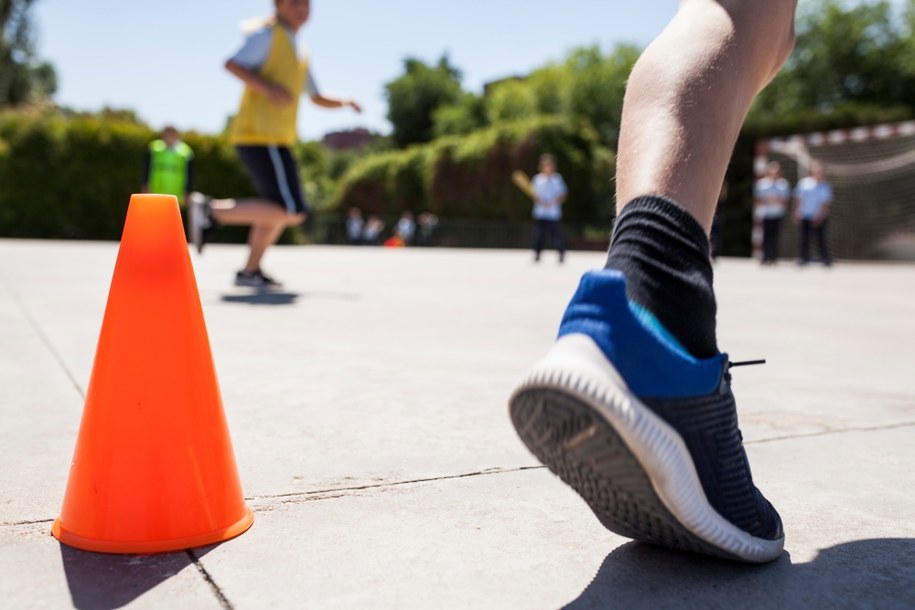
745	363
727	373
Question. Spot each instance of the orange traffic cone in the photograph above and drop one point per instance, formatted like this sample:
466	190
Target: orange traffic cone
153	469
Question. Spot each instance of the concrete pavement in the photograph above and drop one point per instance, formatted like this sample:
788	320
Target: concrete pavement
367	405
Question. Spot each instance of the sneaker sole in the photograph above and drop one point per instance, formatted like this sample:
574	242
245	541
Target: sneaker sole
576	415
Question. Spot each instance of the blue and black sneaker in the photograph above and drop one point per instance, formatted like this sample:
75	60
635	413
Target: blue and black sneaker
643	431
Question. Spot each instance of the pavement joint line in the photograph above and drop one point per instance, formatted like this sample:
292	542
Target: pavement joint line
790	437
46	340
19	523
491	471
217	591
486	472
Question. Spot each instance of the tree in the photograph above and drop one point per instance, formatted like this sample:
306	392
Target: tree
414	97
596	84
22	77
549	85
460	118
509	101
856	56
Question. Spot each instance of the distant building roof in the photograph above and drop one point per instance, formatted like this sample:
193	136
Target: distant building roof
348	140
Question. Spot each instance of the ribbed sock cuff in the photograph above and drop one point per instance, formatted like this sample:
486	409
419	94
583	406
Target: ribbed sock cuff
664	254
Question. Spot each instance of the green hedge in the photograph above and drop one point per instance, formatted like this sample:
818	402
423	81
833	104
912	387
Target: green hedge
72	177
470	176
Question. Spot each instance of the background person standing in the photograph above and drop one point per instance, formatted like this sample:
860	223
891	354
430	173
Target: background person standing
550	193
770	197
169	167
812	198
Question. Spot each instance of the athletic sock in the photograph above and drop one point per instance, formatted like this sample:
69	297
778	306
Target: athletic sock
664	254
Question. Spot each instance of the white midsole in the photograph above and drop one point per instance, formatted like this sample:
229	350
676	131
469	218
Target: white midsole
576	365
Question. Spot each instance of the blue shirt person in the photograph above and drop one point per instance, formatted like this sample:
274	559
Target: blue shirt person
550	193
812	199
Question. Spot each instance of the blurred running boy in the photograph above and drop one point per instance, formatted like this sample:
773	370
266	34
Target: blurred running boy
263	132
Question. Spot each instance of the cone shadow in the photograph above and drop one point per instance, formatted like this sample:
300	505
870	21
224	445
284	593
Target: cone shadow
877	573
100	581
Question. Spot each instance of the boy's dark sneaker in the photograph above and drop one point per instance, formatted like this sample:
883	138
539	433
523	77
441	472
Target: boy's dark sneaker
201	224
255	279
643	431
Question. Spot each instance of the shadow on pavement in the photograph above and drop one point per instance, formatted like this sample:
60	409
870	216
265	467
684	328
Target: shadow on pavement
272	297
265	297
867	573
99	581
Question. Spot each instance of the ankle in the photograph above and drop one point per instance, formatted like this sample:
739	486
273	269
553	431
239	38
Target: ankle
663	253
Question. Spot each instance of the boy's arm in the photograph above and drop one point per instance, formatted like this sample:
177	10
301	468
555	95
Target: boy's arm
331	102
277	94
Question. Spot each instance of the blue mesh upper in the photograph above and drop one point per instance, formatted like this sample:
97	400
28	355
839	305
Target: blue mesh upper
630	337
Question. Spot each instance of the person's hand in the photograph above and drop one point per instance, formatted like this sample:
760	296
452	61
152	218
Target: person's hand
278	95
354	105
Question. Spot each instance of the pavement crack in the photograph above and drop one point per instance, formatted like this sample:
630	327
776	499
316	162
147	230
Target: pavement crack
17	523
337	490
217	591
789	437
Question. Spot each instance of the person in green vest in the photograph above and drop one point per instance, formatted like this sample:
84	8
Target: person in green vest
169	168
275	73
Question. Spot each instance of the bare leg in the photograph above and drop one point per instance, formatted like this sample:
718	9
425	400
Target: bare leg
252	212
267	220
631	441
259	239
689	94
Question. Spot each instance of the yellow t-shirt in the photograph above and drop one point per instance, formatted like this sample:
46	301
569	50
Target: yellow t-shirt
259	121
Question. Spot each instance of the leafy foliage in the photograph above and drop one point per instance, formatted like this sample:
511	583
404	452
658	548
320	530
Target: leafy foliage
596	85
462	117
414	97
23	78
511	100
844	57
72	176
469	176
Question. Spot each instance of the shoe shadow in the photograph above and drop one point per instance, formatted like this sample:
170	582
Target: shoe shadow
877	573
262	297
273	297
100	581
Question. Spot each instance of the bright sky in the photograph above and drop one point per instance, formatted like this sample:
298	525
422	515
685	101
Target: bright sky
164	59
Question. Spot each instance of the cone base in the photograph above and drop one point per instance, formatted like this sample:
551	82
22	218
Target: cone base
143	547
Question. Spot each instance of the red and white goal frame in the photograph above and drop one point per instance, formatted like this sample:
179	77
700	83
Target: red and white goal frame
799	144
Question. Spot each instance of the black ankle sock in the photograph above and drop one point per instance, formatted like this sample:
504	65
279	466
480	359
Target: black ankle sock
664	254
